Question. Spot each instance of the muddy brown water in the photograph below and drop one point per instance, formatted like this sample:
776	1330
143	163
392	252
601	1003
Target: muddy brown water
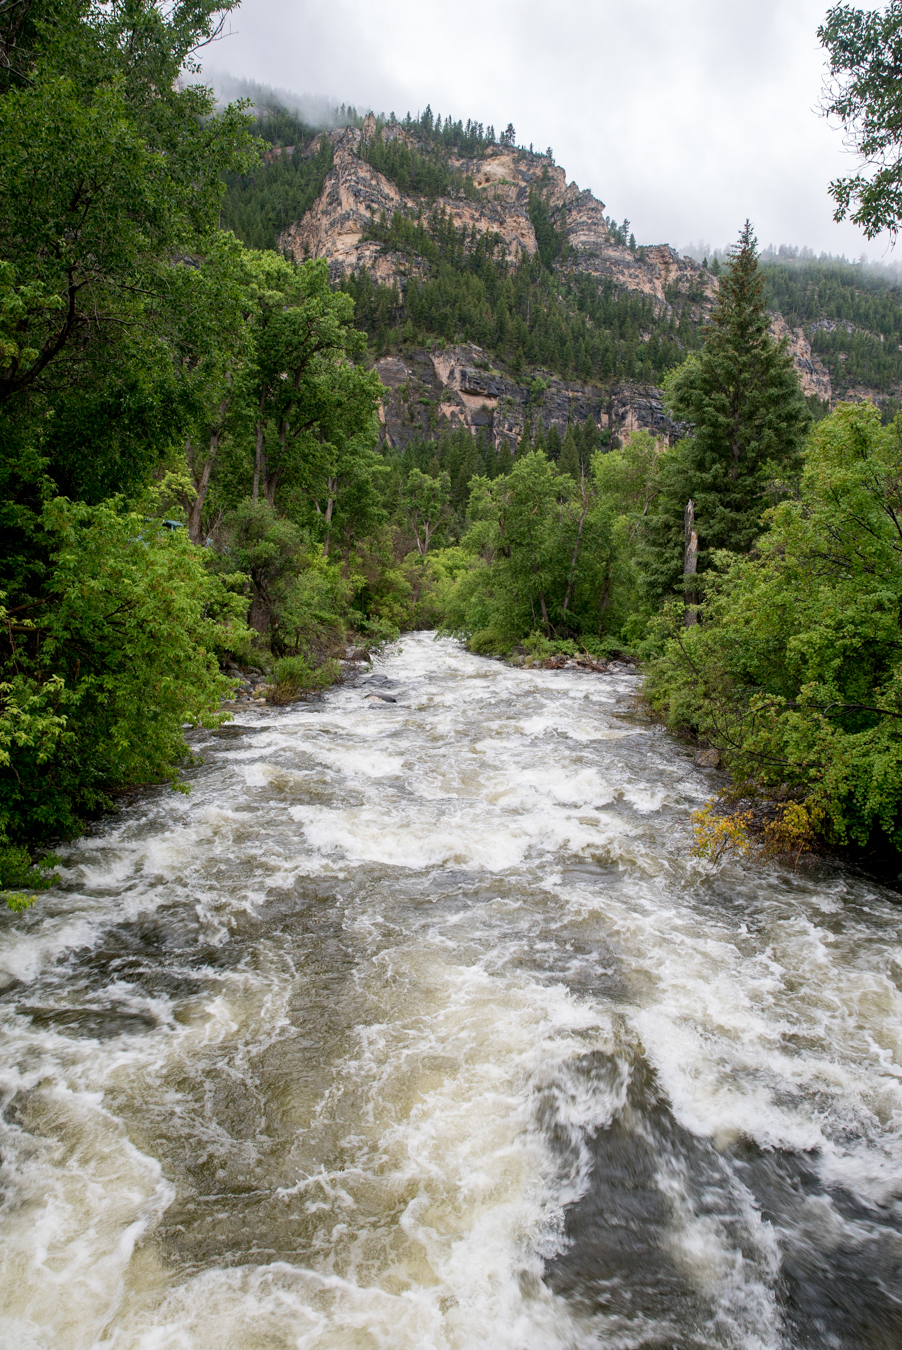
416	1025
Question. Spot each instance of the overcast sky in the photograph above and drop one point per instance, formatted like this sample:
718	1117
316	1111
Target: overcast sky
684	115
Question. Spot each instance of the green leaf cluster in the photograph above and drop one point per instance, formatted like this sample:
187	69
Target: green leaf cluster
107	666
794	669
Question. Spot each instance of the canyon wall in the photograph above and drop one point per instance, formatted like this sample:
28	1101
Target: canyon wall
430	390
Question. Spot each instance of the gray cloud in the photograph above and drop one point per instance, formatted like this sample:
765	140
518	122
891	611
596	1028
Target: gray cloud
687	116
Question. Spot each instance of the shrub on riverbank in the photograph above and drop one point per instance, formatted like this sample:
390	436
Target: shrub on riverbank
794	668
294	676
102	672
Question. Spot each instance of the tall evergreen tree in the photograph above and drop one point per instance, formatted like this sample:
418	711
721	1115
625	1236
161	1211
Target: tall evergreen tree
569	461
747	420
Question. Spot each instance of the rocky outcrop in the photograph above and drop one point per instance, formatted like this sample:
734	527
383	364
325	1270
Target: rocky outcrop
813	374
451	388
334	227
355	194
657	270
455	387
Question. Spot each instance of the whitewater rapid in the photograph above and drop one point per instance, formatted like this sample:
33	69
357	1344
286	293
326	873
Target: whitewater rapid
416	1026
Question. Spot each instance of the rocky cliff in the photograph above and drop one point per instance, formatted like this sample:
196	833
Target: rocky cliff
445	389
442	388
813	374
355	194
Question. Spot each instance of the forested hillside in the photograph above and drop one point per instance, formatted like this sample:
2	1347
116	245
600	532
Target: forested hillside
461	287
238	437
851	314
281	186
545	312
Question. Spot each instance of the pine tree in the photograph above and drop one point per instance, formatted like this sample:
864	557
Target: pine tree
747	419
589	437
569	457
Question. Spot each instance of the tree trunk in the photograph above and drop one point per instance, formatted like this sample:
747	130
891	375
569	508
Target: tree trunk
259	446
690	563
545	618
260	613
331	485
196	508
259	460
606	592
270	483
572	574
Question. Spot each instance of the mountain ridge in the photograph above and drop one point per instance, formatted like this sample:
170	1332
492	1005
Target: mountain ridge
349	226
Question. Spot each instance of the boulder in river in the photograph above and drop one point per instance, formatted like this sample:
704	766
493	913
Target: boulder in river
708	759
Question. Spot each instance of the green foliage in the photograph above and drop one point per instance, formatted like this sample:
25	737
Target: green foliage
110	180
101	674
795	668
851	314
109	168
19	869
620	234
741	398
460	457
569	459
863	92
574	324
427	175
550	240
469	139
295	675
541	558
312	613
425	502
311	404
263	202
432	580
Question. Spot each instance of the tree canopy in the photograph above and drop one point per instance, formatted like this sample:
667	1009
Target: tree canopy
864	91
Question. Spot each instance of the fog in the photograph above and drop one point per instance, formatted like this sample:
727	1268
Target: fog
687	117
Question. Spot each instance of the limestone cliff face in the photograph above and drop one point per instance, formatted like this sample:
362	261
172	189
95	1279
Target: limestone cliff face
334	226
813	374
354	193
457	387
428	391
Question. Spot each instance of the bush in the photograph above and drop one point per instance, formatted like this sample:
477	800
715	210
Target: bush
18	869
119	656
489	642
432	580
794	671
293	676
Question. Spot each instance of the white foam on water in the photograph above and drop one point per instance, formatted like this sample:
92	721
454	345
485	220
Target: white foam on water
358	1106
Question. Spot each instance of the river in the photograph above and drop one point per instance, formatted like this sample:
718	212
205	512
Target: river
416	1026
